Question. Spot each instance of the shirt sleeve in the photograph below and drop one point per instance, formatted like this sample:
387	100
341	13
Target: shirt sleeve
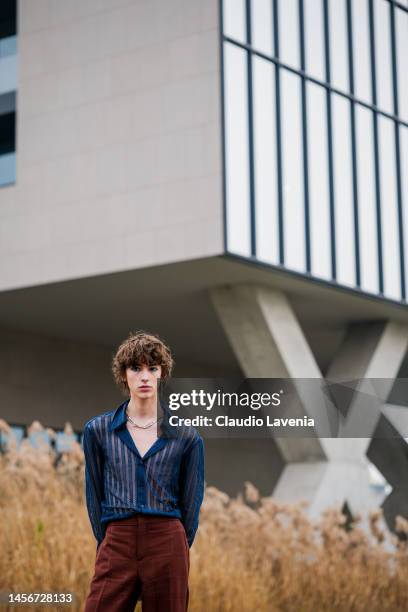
94	461
192	487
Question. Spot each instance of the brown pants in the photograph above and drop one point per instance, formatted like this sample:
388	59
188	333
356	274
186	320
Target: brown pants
143	557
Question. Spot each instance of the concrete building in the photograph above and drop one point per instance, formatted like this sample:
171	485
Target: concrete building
230	175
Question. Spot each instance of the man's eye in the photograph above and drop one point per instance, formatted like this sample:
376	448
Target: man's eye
153	368
135	367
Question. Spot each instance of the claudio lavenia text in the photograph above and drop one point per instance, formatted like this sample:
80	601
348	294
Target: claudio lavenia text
223	420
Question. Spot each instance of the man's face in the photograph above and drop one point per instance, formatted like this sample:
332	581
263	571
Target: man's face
143	380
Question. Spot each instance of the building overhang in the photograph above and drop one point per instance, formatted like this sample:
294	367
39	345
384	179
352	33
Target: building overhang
173	301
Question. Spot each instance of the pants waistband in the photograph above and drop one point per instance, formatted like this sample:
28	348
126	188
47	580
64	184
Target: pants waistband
141	518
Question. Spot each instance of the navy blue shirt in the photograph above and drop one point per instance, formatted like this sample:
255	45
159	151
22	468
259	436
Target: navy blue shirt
168	480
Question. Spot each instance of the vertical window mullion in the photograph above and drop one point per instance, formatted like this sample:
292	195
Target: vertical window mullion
278	133
330	139
251	132
222	76
376	151
353	140
304	137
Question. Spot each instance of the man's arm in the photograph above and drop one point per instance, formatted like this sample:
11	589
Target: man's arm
93	481
192	487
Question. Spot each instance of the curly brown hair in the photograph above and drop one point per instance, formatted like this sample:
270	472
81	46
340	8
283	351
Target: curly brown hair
141	348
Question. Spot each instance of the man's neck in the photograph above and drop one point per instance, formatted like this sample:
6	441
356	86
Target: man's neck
142	409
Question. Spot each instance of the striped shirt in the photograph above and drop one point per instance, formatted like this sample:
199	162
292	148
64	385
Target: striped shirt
168	480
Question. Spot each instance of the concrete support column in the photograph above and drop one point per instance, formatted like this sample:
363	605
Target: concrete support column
268	342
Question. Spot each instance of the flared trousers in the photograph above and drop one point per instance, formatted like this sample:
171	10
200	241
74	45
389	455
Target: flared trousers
145	558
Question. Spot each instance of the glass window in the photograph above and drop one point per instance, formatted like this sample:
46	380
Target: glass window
361	50
236	150
319	196
401	28
8	86
389	208
234	19
368	235
7	122
8	73
338	44
314	38
262	26
289	47
7	138
383	59
343	192
8	46
292	161
404	175
7	168
7	105
8	18
267	219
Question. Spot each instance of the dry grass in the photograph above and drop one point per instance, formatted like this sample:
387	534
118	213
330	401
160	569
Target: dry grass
250	553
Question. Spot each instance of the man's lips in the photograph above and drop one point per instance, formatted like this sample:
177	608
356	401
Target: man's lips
144	387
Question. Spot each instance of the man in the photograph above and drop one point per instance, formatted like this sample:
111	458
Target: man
144	489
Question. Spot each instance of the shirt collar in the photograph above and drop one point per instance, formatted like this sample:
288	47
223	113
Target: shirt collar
119	418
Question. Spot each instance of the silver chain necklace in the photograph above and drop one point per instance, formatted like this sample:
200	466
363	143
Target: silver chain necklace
141	426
